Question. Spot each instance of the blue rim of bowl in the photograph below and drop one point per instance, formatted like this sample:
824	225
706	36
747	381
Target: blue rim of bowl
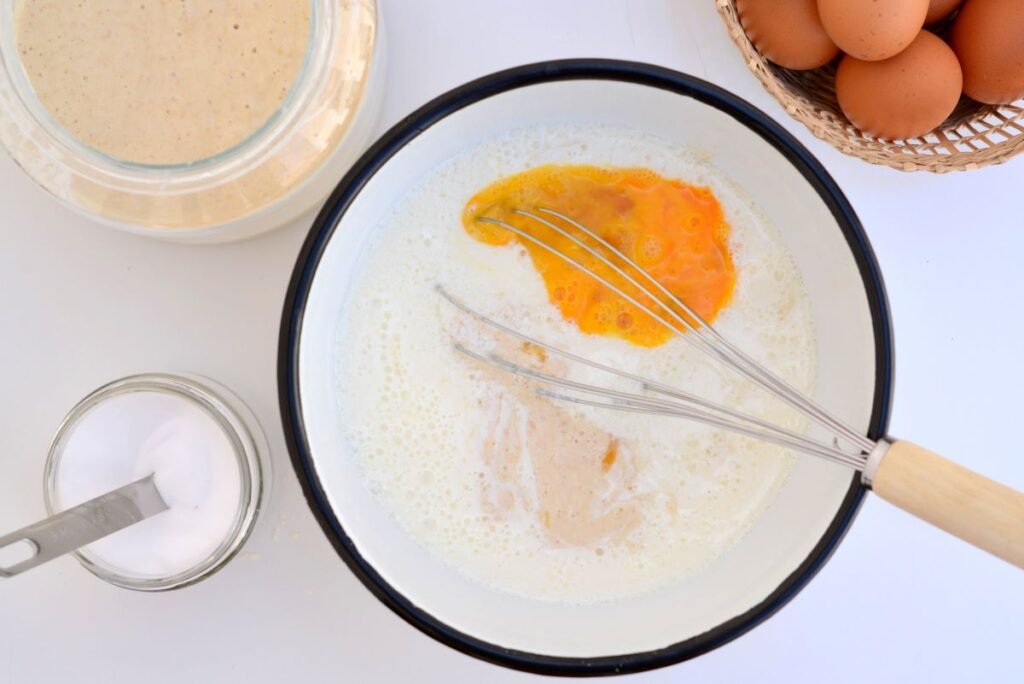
378	155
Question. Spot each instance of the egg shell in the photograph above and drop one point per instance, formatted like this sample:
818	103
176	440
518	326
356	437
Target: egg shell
787	32
904	96
940	9
988	38
871	30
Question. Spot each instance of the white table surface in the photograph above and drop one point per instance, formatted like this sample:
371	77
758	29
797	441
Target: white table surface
81	305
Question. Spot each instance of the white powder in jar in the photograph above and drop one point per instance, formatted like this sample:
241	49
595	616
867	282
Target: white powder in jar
129	436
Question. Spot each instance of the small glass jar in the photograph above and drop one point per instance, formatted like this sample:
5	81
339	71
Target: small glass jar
281	170
240	427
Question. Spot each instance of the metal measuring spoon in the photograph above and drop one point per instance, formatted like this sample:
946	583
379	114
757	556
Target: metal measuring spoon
83	524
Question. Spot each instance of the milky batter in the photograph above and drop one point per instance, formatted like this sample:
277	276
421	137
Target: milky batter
544	499
162	81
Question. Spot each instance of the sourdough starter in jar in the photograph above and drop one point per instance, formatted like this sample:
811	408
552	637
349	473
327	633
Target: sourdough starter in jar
162	81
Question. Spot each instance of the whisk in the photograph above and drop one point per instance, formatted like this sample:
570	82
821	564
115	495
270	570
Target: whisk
976	509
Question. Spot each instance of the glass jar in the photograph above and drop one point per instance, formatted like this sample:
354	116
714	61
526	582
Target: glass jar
248	444
282	169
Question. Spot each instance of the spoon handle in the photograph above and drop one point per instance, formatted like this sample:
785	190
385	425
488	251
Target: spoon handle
83	524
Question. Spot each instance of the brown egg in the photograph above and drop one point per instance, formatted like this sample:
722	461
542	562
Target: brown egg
787	32
904	96
872	29
988	37
940	9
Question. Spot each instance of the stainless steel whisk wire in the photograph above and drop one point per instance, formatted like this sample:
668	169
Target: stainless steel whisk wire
700	334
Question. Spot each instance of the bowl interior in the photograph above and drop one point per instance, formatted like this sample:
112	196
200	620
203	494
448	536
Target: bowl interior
793	528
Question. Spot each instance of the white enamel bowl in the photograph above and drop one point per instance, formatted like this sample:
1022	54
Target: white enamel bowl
818	501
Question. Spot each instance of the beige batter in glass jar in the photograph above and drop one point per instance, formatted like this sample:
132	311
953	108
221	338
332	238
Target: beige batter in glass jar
189	120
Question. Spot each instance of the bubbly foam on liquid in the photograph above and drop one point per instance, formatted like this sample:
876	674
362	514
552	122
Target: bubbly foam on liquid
547	500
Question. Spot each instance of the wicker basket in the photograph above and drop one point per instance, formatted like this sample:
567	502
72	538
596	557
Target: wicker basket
975	135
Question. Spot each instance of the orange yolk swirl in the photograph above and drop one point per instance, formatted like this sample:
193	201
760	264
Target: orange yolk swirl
673	230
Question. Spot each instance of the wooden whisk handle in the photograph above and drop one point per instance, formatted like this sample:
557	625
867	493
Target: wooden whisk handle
970	506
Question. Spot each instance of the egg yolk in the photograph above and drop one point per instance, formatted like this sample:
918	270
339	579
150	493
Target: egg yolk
674	231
